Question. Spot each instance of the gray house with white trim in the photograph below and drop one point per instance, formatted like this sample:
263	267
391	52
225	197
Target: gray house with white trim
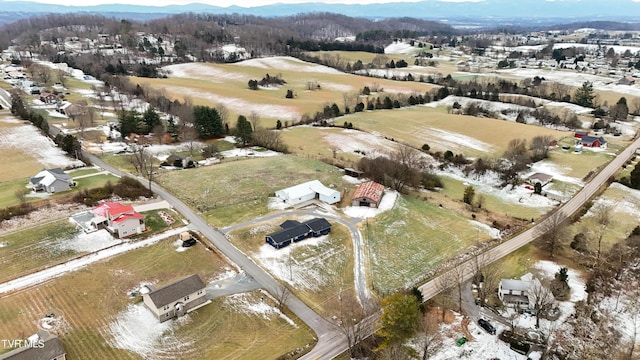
40	346
176	299
51	180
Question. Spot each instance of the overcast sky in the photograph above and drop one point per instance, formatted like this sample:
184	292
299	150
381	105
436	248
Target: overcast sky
223	3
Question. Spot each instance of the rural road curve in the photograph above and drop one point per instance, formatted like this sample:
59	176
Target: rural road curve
331	341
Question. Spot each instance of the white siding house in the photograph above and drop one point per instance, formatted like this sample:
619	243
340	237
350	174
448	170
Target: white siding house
177	298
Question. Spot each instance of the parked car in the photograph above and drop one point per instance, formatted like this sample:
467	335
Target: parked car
487	326
461	341
189	242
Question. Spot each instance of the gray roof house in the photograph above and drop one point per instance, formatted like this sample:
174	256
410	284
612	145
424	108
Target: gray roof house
176	299
40	346
51	180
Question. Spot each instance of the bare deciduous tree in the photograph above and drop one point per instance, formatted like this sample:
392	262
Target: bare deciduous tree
553	229
282	295
603	215
541	298
254	119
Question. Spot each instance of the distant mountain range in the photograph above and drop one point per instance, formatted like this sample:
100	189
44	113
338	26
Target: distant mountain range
481	13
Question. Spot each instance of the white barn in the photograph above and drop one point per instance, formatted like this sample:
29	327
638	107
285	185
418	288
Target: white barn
308	191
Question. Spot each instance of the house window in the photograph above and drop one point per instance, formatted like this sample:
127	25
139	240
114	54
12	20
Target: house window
199	292
186	298
166	307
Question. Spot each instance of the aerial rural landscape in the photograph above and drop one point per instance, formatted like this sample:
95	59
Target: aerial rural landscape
349	180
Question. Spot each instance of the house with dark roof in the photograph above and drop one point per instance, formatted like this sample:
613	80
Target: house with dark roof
294	231
51	180
176	299
40	346
120	220
593	142
368	194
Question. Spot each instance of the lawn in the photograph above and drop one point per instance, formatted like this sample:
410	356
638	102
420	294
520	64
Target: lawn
472	136
35	248
88	302
319	271
413	238
227	84
238	191
579	165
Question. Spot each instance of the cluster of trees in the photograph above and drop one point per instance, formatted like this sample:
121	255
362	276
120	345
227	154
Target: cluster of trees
19	109
126	188
267	80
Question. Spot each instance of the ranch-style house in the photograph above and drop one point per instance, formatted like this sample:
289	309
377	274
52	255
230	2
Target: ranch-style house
176	299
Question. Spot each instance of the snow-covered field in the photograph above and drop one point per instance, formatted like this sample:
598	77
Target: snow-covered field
306	274
488	185
287	63
27	138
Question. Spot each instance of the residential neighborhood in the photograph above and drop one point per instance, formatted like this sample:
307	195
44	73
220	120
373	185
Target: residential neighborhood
213	185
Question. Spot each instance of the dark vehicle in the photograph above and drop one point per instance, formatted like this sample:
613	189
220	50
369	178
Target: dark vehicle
189	242
487	326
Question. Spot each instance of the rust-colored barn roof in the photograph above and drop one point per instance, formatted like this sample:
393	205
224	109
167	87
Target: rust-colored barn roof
370	190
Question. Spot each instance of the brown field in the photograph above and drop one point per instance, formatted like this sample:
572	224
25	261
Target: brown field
211	84
87	301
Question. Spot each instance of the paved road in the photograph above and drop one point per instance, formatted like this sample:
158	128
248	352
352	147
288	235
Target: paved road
430	289
330	341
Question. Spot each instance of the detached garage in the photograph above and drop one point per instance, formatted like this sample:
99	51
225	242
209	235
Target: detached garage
308	191
368	194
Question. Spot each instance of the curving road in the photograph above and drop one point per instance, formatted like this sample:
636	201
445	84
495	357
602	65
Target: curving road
331	341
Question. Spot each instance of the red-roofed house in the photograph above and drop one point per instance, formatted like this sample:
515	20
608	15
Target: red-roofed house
368	194
120	220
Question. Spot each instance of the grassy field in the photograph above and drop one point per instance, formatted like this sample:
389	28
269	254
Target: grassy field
325	268
470	135
237	191
87	302
413	238
16	163
35	248
227	84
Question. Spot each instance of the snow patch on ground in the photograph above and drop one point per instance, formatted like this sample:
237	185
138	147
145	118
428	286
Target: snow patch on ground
43	149
246	304
483	345
446	139
493	232
363	212
249	152
138	330
89	242
301	275
202	72
399	48
488	184
558	173
287	63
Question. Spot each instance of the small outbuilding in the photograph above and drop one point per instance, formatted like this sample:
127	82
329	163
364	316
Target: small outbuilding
310	190
627	80
368	194
176	299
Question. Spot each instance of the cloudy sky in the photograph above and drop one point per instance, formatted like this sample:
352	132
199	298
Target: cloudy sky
223	3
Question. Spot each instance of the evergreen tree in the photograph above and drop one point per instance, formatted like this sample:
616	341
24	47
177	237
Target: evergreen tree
151	119
207	122
129	122
584	96
244	131
634	178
